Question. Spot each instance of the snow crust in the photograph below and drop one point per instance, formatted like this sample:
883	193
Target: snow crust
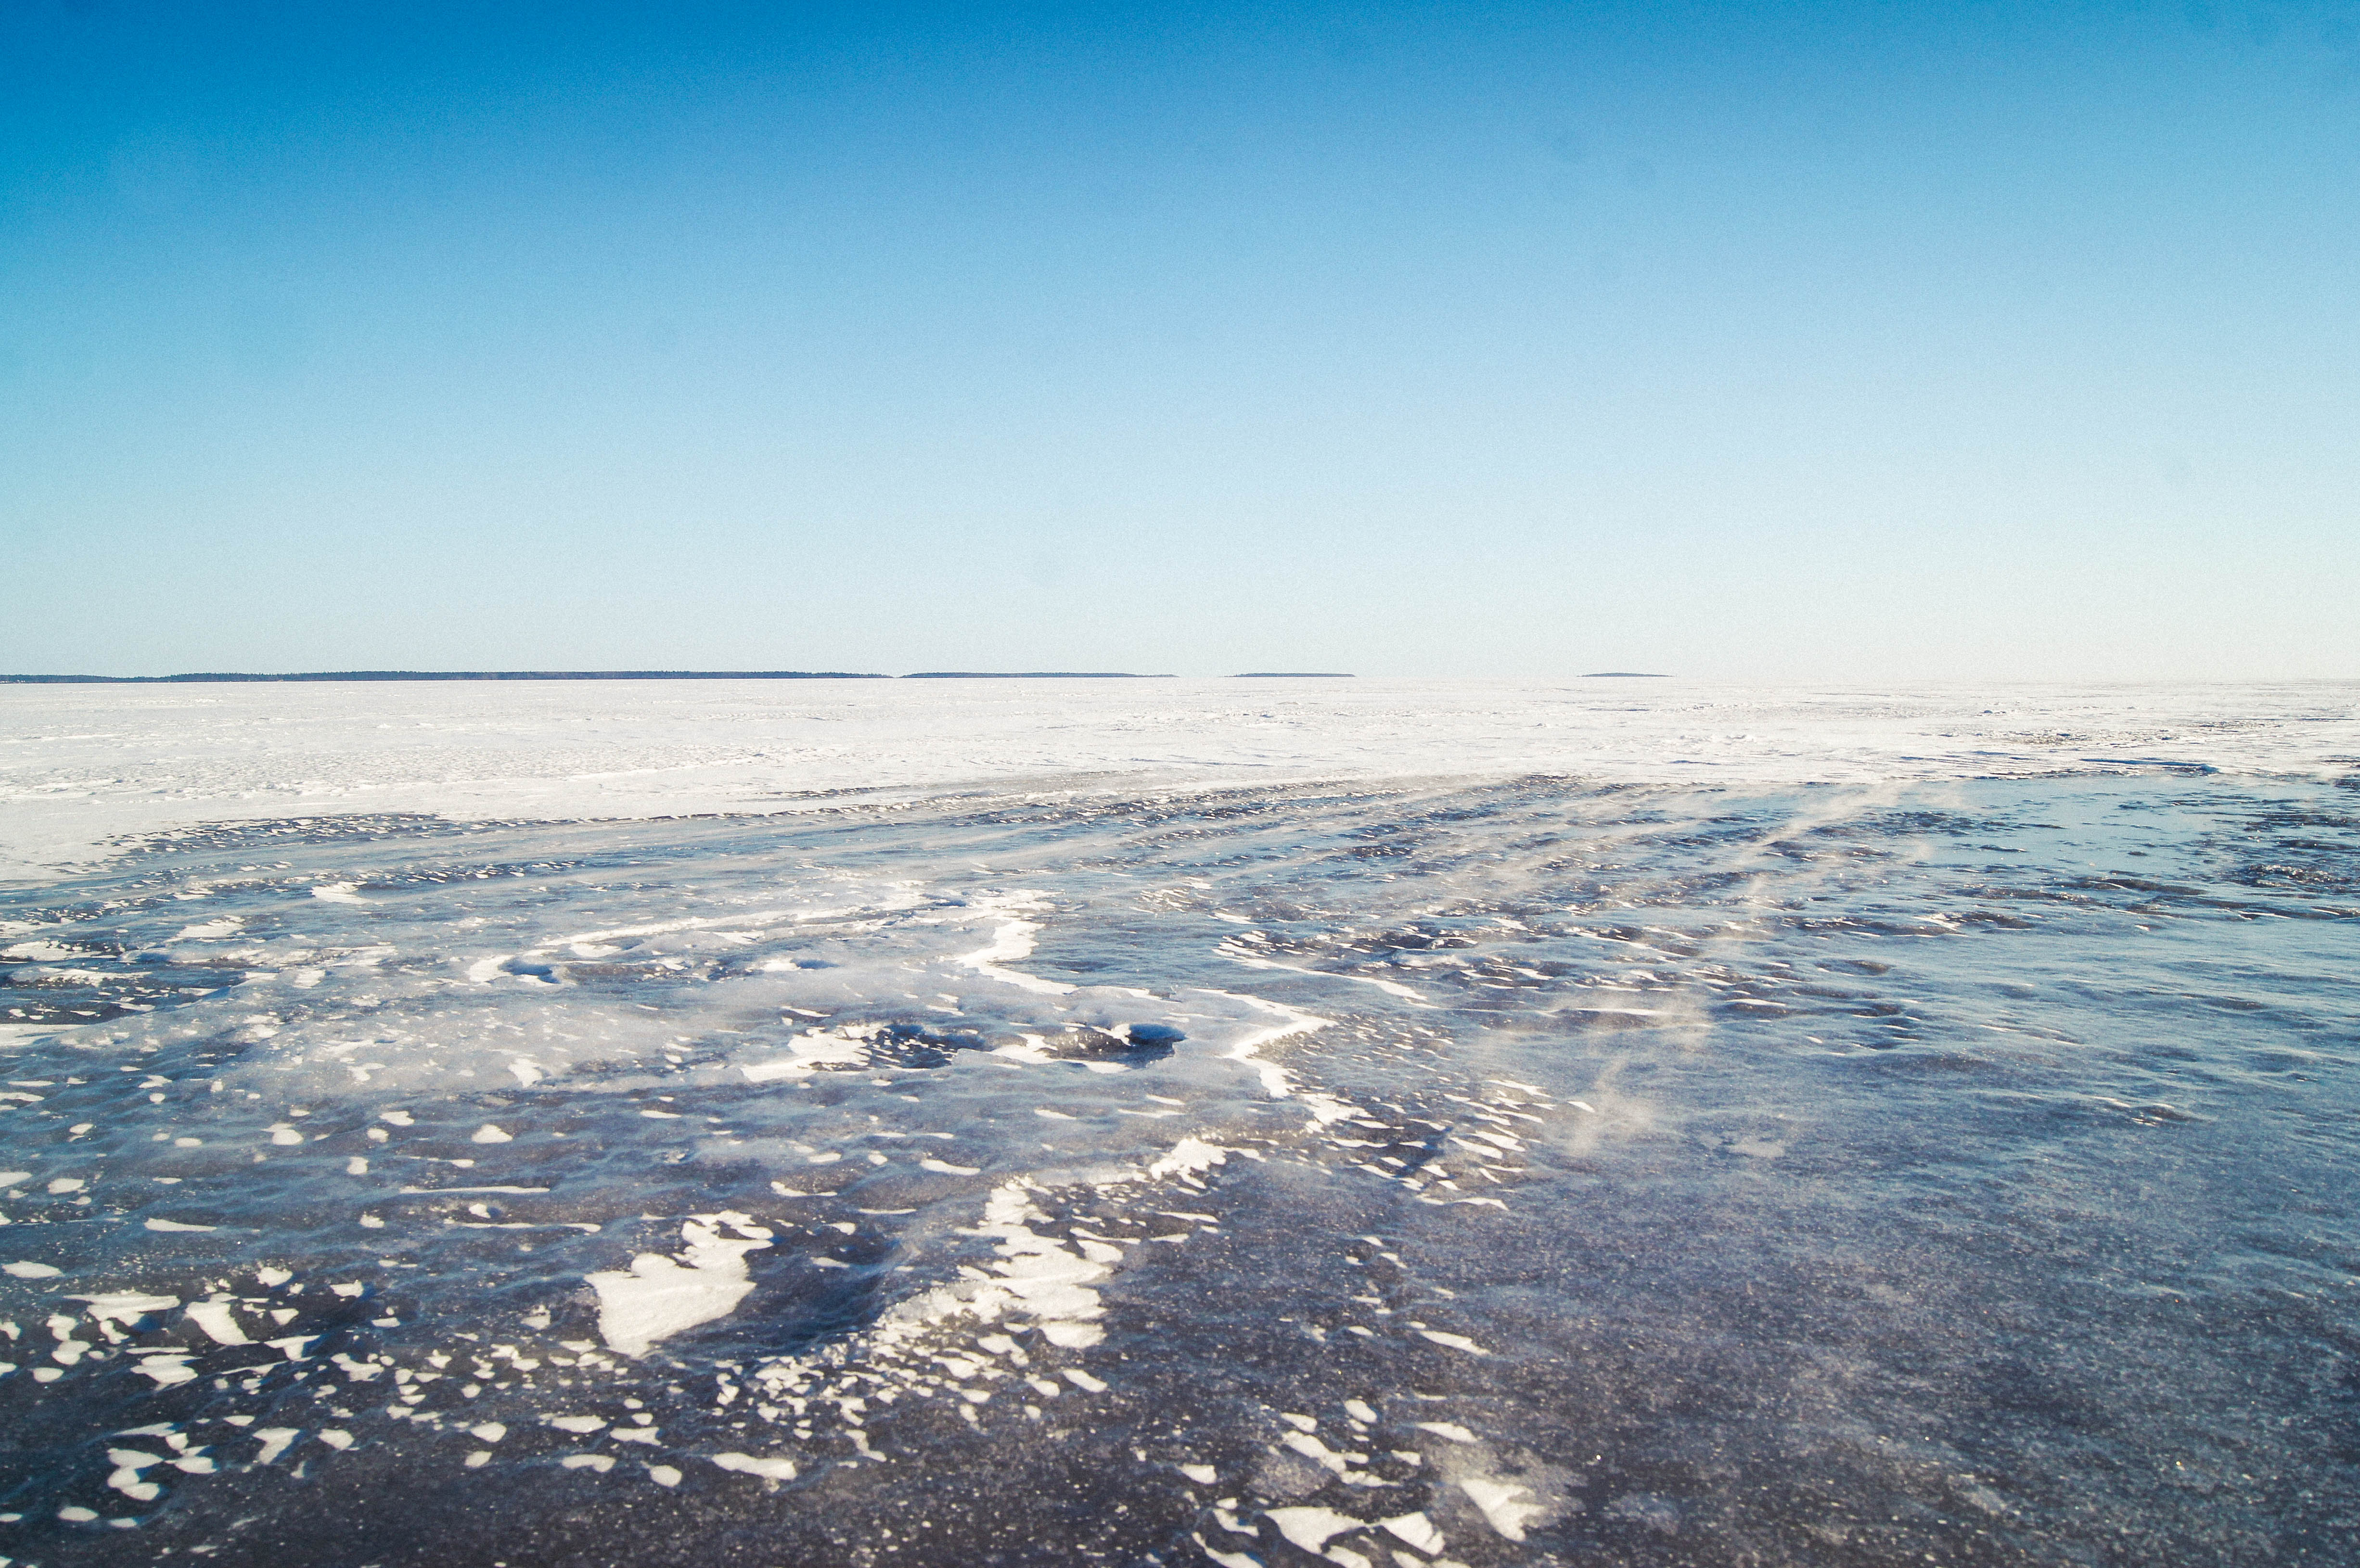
83	765
658	1296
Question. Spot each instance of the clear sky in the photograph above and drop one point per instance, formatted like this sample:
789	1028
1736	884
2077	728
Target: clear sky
1834	340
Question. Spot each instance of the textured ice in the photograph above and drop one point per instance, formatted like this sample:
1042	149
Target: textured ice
1877	1150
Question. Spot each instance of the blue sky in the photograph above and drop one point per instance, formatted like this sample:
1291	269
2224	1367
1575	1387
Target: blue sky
1841	342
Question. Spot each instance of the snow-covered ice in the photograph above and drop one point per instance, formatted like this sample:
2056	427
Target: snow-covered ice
80	765
1382	1122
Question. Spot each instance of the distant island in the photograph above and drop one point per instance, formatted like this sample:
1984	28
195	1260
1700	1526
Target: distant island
1030	675
1294	675
454	675
1625	675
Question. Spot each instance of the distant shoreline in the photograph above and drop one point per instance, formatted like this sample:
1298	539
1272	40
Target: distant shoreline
446	675
236	677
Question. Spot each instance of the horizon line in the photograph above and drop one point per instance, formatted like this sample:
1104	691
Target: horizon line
241	676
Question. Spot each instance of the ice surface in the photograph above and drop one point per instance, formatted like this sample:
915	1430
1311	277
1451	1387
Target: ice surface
1950	1157
81	765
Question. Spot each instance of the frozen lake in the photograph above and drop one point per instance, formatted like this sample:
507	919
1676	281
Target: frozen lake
81	764
1370	1122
